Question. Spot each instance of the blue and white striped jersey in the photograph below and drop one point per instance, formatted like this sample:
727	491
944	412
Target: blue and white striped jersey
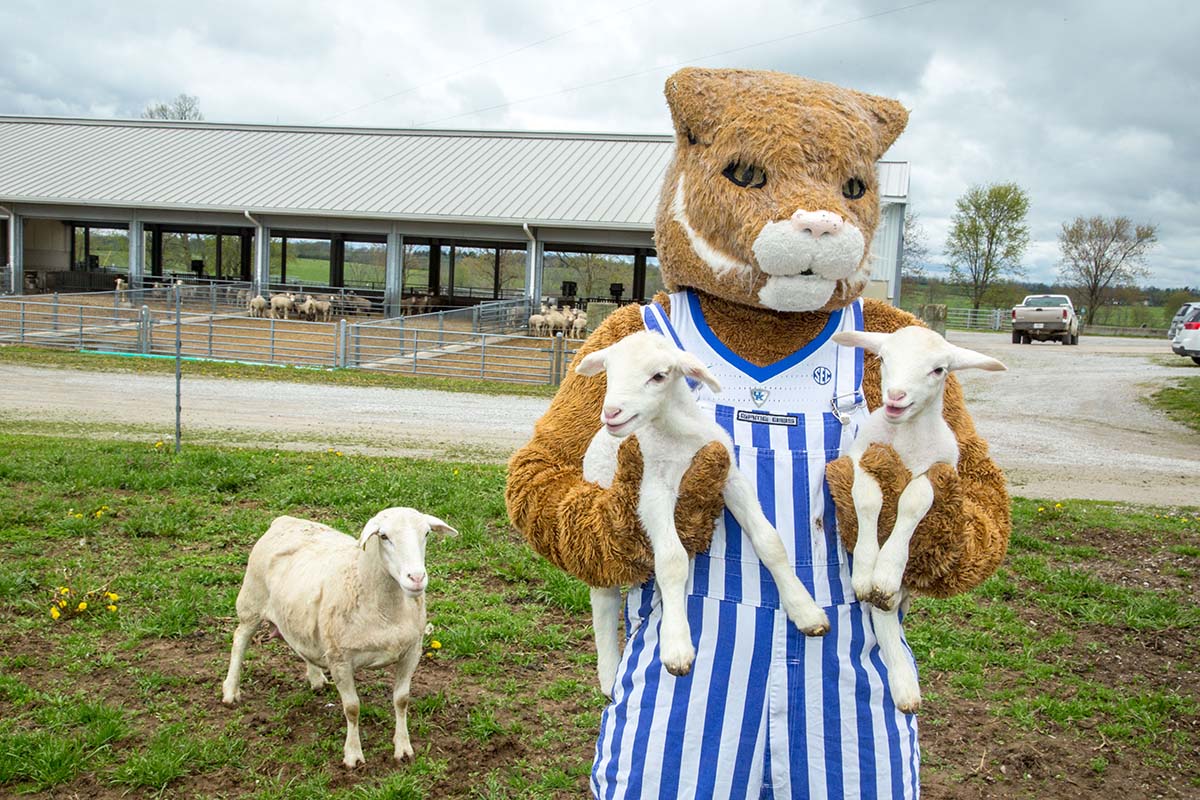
766	711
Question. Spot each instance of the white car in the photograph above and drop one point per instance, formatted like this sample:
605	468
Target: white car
1177	320
1187	338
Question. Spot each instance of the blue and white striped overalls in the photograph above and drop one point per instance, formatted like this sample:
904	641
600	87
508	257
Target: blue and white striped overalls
766	711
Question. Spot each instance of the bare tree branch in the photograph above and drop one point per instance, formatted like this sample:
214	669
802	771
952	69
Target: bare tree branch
1101	254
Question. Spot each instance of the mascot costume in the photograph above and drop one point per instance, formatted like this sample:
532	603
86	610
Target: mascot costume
763	236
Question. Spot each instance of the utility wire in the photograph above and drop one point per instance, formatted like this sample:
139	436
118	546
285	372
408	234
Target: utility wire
685	62
486	61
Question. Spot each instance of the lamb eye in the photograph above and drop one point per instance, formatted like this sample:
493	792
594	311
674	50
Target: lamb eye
658	377
853	189
383	537
746	175
939	371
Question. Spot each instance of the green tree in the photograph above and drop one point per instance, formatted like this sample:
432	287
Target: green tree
1100	255
183	107
988	236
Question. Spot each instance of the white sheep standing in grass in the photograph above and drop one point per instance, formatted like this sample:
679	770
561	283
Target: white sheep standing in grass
341	605
914	363
647	394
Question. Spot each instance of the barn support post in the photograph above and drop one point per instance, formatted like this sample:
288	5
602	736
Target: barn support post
16	251
261	279
534	257
393	273
137	252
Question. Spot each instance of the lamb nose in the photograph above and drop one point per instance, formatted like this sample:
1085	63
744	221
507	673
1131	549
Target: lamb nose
817	223
416	577
896	394
611	413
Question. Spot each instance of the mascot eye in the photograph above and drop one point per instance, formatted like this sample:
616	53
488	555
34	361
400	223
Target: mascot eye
746	175
691	137
853	189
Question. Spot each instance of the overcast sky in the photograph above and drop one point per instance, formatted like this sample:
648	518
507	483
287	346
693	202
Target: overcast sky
1092	106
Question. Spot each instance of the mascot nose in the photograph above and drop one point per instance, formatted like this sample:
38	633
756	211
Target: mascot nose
817	223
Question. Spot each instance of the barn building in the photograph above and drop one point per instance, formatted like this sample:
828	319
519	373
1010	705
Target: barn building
463	216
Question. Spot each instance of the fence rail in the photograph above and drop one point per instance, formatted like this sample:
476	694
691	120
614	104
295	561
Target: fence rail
485	342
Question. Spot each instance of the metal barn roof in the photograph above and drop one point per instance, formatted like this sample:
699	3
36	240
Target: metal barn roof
547	179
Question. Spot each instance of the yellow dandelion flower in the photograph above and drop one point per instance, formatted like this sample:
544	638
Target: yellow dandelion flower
99	514
435	644
111	607
63	590
112	596
428	653
309	468
158	444
62	603
79	516
1058	505
54	614
1041	509
456	471
338	453
82	606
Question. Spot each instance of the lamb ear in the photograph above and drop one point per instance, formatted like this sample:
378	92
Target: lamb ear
593	363
693	367
864	339
962	358
436	524
369	530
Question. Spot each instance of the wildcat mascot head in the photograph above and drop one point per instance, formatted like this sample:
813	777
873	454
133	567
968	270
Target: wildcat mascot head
772	197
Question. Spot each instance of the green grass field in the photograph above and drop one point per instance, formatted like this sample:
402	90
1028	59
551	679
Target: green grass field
1073	670
1181	402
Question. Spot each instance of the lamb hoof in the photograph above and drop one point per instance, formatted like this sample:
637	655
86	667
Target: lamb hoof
679	663
404	755
909	704
232	698
862	590
352	761
884	601
816	630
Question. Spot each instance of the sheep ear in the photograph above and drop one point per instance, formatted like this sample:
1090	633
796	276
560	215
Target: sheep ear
864	339
593	363
436	524
962	358
369	530
693	367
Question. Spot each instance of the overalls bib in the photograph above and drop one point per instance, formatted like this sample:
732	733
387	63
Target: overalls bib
765	711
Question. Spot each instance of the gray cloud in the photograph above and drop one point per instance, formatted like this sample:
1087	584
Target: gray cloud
1090	106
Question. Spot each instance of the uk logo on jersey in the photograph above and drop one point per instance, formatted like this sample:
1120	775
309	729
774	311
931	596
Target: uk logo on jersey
759	396
822	375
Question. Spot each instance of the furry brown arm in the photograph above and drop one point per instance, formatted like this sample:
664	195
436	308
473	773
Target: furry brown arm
964	537
593	533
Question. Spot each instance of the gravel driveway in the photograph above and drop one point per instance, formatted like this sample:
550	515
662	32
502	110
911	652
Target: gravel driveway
1064	422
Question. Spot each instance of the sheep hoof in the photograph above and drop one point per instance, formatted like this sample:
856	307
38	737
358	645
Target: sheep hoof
352	761
884	601
816	630
404	754
908	702
679	661
232	699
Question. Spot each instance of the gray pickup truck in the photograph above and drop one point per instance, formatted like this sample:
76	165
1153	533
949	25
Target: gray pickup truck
1045	317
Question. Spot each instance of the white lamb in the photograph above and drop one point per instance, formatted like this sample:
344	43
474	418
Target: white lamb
647	394
341	605
914	363
257	306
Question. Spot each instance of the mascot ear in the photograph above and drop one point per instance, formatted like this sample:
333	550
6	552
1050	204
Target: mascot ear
691	105
888	116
